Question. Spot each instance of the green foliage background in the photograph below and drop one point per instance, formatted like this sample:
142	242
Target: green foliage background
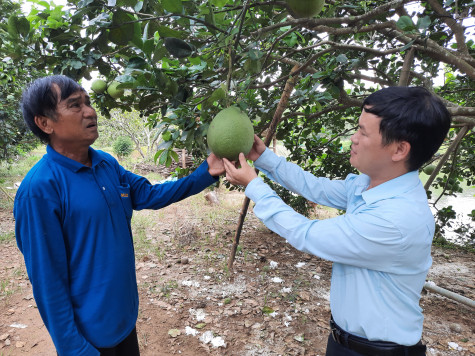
180	62
123	146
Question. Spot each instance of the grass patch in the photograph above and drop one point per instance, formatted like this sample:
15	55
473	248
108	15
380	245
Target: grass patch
7	288
11	172
14	172
7	236
153	176
167	288
143	243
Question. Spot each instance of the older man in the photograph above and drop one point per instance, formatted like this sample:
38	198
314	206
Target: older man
73	216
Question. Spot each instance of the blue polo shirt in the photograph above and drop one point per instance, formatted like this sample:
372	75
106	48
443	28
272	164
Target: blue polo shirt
73	226
380	248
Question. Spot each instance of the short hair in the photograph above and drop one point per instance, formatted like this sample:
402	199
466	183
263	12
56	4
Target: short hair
410	114
39	99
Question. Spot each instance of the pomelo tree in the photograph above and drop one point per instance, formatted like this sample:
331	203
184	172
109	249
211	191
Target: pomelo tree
17	68
181	62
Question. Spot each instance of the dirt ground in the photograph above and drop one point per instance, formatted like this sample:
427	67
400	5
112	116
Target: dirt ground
275	301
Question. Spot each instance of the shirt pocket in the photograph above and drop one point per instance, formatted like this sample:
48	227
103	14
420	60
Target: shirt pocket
124	191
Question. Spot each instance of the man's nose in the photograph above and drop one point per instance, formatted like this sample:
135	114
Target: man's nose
89	111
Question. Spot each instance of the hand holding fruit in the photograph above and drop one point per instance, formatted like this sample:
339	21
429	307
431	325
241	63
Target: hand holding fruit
239	176
258	148
215	165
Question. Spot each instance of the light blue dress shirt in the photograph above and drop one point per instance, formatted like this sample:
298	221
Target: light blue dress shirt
380	248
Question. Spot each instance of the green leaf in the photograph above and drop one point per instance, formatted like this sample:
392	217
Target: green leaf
408	45
174	6
163	157
122	30
84	3
126	3
169	160
196	61
252	67
178	48
423	23
174	155
217	95
166	136
174	332
147	100
23	26
405	23
12	26
267	310
165	145
219	3
138	6
255	54
342	58
148	47
165	31
18	26
76	64
137	63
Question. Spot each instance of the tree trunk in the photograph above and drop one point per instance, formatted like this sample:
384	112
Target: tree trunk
284	99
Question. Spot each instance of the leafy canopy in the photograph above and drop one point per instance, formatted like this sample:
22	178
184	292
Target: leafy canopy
180	62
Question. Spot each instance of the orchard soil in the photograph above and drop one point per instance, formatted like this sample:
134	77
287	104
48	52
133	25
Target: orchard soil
275	300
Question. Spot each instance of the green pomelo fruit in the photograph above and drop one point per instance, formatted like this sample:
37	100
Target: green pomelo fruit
178	48
305	8
429	169
230	133
98	86
113	91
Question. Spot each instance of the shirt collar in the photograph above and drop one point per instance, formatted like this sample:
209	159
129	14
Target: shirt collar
392	188
70	163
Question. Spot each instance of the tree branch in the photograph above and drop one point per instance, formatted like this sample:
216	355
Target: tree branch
456	28
446	156
404	78
348	20
433	50
382	82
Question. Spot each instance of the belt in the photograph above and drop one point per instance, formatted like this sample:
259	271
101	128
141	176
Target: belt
373	348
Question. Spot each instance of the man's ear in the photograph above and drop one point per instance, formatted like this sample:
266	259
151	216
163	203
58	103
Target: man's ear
44	124
401	151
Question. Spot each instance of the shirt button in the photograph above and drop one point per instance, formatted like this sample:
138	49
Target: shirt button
103	188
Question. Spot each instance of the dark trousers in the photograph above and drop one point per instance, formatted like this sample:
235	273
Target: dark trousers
335	349
128	347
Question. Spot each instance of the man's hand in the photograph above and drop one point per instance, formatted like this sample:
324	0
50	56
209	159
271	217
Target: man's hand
215	165
257	149
239	176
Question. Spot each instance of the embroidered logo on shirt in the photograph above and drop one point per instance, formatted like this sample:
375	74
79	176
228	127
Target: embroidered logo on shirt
124	195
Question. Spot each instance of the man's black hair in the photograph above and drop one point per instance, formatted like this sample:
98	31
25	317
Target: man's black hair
410	114
40	99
